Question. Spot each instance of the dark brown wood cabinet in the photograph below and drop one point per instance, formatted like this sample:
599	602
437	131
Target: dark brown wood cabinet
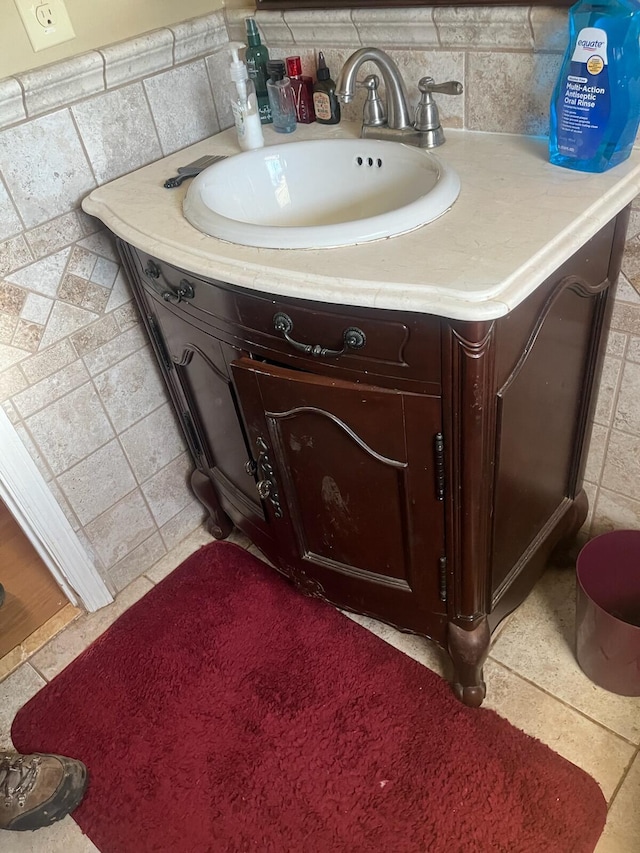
409	467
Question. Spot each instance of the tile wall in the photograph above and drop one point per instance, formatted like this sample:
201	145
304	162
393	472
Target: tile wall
77	377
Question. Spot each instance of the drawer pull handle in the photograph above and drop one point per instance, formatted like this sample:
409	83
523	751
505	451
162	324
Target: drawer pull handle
167	291
352	338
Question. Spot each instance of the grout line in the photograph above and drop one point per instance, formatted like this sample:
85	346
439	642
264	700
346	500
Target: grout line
565	703
623	778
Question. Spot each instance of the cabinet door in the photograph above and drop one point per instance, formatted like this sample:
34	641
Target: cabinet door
198	371
348	476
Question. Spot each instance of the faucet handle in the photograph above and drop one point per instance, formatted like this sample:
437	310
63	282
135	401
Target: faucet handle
373	113
427	85
427	120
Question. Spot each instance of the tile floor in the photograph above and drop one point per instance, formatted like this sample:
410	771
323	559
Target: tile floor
533	681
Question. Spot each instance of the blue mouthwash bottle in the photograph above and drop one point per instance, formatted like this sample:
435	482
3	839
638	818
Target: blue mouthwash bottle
595	107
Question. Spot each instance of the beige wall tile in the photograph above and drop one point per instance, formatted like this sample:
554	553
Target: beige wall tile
50	389
550	28
396	28
168	492
137	562
119	530
105	120
273	30
116	349
320	27
71	428
597	448
627	413
177	555
98	482
633	353
56	234
45	363
182	106
36	308
617	344
54	86
182	524
615	512
64	320
622	466
120	293
12	108
27	335
45	168
608	389
10	224
43	276
14	253
96	335
133	58
200	36
12	298
482	27
131	389
153	442
509	92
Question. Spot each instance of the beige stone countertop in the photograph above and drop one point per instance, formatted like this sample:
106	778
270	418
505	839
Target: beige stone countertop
516	220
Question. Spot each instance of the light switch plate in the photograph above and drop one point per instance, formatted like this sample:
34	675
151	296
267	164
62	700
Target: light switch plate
46	23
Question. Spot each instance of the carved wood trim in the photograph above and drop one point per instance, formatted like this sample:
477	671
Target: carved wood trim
469	363
577	285
276	416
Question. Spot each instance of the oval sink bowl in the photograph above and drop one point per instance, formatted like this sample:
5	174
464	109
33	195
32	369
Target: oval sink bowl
320	194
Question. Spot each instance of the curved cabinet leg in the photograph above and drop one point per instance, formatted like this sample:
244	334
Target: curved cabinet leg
468	650
219	524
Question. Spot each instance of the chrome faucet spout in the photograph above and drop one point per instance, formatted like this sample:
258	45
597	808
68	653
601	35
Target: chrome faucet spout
396	93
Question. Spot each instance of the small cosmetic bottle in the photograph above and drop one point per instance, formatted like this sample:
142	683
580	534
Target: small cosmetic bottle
302	91
325	100
283	108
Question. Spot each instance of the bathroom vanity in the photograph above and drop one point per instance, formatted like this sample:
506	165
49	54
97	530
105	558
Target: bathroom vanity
401	427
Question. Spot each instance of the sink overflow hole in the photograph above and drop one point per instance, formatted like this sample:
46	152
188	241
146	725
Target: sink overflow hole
369	161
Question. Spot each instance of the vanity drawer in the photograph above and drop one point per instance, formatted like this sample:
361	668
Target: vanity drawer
345	339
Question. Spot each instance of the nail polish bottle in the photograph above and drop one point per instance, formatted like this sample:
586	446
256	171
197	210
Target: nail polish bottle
302	91
325	101
283	108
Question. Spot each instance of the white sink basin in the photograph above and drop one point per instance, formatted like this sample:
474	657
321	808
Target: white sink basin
321	193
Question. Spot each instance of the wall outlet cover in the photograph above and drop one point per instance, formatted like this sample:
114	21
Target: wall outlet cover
46	23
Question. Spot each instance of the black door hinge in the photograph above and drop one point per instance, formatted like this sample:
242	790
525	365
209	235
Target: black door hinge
438	452
192	435
442	566
158	340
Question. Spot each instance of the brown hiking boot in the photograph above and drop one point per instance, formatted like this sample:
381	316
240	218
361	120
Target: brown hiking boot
37	790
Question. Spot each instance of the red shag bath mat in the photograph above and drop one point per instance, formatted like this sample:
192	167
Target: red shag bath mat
226	712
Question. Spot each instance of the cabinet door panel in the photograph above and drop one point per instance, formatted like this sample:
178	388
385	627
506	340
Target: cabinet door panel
354	470
202	378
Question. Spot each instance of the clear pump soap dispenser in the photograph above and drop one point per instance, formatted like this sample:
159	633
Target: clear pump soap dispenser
244	103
